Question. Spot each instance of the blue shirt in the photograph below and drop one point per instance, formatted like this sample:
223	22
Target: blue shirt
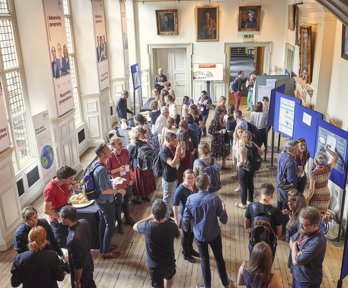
310	261
180	197
204	208
287	166
103	182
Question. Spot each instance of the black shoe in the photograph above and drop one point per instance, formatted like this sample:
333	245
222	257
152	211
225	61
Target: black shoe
194	253
190	259
129	221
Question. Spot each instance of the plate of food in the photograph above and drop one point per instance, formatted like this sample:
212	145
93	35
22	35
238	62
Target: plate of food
80	200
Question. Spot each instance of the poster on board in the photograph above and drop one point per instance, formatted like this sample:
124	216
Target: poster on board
101	43
59	56
208	72
286	116
136	76
4	133
42	130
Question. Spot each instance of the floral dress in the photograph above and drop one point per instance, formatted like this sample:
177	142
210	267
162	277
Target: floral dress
219	149
321	197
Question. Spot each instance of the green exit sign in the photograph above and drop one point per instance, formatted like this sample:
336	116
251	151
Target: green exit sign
248	37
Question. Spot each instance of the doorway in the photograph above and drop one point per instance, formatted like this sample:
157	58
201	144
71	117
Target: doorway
247	57
176	61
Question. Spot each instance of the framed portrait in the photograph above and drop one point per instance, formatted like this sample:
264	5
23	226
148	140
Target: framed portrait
305	72
344	42
207	23
249	18
167	22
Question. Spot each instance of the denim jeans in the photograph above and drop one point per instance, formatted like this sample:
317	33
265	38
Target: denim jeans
205	118
106	225
60	232
297	284
216	247
168	194
246	183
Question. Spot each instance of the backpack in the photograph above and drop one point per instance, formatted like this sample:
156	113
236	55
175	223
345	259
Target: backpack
88	183
213	171
254	160
262	229
253	130
145	157
231	124
157	168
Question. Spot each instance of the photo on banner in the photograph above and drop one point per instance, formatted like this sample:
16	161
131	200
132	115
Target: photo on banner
59	56
44	142
4	133
101	43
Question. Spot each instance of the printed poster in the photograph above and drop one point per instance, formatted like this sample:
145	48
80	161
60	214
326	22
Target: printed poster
208	72
101	43
286	116
59	56
4	133
44	144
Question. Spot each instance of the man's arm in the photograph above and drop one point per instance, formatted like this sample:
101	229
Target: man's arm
149	218
247	224
47	208
177	156
221	211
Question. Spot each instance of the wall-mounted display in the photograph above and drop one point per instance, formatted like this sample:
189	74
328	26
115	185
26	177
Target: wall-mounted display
167	22
344	42
207	23
249	18
306	54
208	72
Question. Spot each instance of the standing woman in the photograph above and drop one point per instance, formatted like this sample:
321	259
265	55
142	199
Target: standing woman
259	119
185	106
187	139
144	181
319	193
245	169
250	86
37	267
222	104
301	160
257	272
193	110
204	155
217	129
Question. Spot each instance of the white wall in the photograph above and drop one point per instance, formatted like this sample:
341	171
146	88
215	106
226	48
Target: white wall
339	85
272	23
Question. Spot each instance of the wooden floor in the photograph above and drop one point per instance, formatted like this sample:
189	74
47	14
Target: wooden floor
130	269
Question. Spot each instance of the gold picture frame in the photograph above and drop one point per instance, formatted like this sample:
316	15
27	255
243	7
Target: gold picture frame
167	22
207	23
344	52
249	18
305	72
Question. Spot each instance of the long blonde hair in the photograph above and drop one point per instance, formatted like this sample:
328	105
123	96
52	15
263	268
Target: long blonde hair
245	139
37	238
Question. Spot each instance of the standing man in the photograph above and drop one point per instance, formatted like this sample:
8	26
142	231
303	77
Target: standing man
238	115
79	249
264	208
159	239
170	155
161	120
105	201
31	220
56	195
204	209
308	248
204	103
121	106
287	175
236	88
160	79
184	190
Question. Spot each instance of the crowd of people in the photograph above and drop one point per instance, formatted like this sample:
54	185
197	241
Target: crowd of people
172	144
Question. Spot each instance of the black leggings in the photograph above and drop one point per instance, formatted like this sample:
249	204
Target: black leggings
246	183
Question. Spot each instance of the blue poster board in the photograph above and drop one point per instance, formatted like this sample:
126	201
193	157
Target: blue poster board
338	141
284	114
270	120
135	76
305	126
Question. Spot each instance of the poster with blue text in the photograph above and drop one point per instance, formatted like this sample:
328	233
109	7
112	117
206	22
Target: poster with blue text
101	43
59	55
